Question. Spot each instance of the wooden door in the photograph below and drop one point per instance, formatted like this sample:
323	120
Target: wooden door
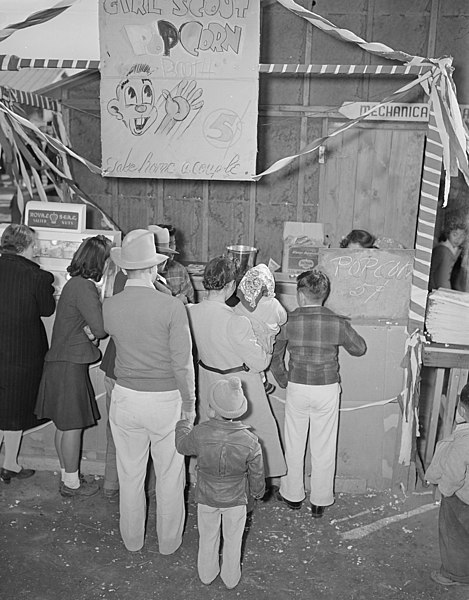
371	180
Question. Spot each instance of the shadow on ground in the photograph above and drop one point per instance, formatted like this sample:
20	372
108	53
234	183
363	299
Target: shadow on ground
53	548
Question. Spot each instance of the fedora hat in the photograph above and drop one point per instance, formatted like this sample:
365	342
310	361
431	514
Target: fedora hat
227	398
137	251
162	239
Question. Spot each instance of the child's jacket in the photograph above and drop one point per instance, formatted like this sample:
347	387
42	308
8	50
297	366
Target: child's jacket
450	464
229	461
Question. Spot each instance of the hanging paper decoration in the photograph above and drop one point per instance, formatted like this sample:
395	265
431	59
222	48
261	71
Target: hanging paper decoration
39	160
41	16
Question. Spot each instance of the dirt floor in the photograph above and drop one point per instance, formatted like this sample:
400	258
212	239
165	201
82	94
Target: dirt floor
54	548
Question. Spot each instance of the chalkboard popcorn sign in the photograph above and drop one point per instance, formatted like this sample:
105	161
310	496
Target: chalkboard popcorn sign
58	216
368	283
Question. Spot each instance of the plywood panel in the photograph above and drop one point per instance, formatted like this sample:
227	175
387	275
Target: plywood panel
400	211
186	215
337	206
283	37
452	38
228	224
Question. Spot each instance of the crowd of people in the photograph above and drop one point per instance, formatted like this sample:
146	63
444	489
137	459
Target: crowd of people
161	343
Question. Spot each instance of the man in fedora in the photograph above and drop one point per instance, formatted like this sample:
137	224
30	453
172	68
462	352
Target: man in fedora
154	389
175	274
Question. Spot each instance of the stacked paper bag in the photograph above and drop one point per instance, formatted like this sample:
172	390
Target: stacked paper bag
447	318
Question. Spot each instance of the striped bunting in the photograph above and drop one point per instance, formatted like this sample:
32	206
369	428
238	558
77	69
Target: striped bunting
426	224
9	95
353	70
37	18
10	62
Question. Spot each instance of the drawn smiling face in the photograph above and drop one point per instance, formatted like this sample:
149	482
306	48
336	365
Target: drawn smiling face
134	103
139	105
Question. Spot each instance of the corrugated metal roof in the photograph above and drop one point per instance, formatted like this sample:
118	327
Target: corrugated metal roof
30	80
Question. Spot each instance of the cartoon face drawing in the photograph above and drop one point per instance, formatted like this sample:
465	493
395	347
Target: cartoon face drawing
135	102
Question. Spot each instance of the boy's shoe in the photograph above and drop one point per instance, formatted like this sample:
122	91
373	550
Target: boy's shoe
289	503
317	511
86	489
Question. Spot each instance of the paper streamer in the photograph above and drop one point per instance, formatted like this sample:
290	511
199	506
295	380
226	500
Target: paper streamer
348	36
37	18
58	145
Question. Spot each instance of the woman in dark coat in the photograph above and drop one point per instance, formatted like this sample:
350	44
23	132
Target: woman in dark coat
26	294
66	394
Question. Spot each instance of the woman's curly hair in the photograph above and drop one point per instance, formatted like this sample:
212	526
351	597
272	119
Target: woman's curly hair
90	258
218	272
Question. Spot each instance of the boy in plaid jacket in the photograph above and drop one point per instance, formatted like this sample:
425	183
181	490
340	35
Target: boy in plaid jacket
312	335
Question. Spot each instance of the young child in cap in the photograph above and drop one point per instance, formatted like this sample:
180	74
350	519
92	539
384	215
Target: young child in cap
257	302
229	469
449	470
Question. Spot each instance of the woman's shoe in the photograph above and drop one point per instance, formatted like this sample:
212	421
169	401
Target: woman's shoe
85	489
6	475
317	511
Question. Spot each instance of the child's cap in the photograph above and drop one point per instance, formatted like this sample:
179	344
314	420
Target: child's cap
256	281
227	398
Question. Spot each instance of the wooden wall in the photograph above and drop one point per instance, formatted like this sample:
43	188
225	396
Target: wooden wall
380	193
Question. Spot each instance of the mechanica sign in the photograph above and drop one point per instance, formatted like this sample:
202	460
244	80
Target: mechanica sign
179	88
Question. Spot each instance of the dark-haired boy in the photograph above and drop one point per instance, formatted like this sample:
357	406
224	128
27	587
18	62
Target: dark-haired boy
312	335
449	469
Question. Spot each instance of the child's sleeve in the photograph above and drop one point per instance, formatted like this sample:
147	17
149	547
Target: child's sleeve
352	341
448	468
185	438
277	365
256	477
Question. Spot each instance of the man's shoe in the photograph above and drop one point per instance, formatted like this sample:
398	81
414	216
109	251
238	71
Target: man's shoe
85	489
289	503
6	475
442	580
317	511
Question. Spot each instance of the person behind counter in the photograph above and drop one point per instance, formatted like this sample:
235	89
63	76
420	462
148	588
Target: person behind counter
66	394
176	276
446	253
358	238
26	295
226	344
312	335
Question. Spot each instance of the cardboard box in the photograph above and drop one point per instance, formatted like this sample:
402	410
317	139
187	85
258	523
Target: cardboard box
301	242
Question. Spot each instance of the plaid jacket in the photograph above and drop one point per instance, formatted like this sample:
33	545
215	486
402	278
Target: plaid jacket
312	336
178	280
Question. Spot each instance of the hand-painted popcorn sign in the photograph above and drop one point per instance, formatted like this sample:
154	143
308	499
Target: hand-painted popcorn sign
179	88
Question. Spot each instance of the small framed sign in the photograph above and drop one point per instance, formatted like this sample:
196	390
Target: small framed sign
60	216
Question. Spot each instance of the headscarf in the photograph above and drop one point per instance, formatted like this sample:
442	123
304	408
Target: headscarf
258	281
